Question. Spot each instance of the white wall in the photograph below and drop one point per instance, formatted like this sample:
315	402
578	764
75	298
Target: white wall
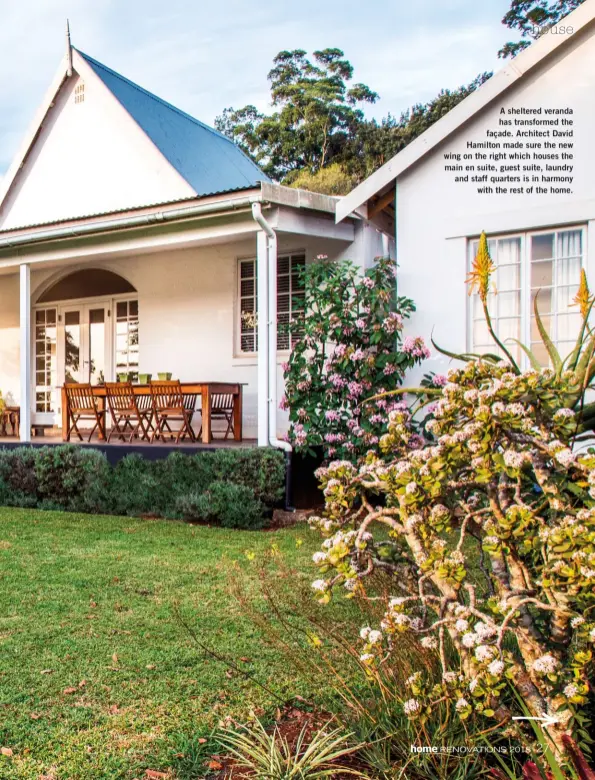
436	216
90	157
9	337
187	312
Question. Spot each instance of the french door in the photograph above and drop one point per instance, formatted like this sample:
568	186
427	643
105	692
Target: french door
73	343
85	344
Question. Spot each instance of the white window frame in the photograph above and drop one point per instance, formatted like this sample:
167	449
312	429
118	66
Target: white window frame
525	278
238	353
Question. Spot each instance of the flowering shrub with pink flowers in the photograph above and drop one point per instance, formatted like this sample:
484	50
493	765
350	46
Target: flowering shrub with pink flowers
351	349
486	531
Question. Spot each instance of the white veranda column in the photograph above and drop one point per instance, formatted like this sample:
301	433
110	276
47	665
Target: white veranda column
25	329
263	346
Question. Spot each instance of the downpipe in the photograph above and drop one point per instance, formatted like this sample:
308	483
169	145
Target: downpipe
271	259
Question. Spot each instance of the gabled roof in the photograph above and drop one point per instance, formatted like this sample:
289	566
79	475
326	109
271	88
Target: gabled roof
203	160
375	189
206	159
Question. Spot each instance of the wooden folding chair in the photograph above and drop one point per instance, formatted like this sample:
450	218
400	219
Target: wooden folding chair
129	420
82	407
169	407
222	409
190	402
145	407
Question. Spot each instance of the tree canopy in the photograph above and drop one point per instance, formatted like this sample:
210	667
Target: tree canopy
532	18
316	113
317	136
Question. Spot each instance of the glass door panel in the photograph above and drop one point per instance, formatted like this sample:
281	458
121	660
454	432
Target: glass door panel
73	346
85	343
97	346
46	366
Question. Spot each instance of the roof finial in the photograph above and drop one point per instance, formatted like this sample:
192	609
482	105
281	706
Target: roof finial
68	50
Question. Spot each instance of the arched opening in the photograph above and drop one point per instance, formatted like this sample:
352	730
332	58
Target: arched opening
86	329
90	283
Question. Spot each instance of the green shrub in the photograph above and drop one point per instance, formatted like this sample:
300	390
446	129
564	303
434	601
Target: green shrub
72	478
18	478
224	503
263	470
134	489
80	479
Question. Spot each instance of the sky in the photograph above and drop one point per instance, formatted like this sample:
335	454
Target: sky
206	57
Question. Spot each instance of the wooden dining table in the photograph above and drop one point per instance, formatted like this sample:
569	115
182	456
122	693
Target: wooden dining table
206	390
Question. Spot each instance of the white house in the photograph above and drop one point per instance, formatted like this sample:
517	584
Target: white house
133	237
441	192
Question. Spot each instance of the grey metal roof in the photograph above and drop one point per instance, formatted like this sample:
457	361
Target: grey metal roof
206	159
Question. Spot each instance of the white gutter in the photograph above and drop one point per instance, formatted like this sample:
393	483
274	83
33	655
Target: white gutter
269	310
74	231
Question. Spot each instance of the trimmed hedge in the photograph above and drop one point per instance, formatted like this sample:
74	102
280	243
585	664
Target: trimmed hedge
234	488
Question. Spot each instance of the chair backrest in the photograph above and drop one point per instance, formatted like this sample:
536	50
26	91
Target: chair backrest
167	394
80	397
190	401
222	402
120	397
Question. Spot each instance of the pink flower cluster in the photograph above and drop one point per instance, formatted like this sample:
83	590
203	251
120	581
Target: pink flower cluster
299	434
337	381
357	356
355	389
415	347
392	322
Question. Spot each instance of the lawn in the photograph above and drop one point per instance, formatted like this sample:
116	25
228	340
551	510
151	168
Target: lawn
98	678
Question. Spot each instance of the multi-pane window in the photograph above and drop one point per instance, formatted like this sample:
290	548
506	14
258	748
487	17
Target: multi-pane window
546	264
248	306
127	337
290	302
556	261
45	359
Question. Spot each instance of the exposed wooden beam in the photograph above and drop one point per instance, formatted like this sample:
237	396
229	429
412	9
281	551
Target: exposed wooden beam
381	203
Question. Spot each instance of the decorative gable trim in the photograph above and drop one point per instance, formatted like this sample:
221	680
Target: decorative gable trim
34	129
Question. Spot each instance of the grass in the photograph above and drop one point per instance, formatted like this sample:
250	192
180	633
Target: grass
98	679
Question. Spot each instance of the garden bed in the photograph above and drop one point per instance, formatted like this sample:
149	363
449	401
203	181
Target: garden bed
233	488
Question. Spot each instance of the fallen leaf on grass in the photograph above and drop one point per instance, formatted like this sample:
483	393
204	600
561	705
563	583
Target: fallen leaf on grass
151	666
82	683
245	660
215	765
115	659
114	709
229	674
70	690
34	716
202	741
6	751
154	774
47	671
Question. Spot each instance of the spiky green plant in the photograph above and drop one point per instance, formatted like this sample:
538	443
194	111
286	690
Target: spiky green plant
271	757
578	367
